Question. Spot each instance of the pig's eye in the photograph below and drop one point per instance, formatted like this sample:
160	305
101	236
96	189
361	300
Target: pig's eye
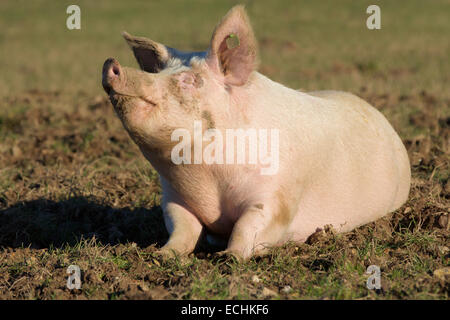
149	101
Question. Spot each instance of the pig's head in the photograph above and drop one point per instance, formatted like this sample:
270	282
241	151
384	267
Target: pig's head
174	88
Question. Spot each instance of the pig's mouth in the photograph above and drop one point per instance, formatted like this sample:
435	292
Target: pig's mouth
116	95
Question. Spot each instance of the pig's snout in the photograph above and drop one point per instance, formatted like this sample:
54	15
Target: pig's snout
112	74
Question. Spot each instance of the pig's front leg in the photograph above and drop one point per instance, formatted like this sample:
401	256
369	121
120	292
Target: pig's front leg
184	228
260	227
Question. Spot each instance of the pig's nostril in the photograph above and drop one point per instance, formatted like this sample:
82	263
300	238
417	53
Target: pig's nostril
111	74
116	70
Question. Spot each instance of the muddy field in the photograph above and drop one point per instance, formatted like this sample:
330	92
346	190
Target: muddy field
74	189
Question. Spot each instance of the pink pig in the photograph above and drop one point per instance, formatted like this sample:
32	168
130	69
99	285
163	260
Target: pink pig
339	162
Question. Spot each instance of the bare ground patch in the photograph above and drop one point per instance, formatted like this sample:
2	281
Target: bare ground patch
75	190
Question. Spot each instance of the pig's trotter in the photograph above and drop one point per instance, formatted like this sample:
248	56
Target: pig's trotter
184	228
224	256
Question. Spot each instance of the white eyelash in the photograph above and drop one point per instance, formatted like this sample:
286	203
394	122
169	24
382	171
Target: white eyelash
174	65
196	61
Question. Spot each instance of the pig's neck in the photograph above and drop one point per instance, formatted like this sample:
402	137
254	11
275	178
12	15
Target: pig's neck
263	102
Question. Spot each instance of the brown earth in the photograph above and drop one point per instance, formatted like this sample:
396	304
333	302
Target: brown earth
74	189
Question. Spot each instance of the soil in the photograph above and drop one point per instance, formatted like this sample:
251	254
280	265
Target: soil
74	189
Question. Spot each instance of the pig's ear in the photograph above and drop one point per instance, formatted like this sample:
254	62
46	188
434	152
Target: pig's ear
151	55
233	51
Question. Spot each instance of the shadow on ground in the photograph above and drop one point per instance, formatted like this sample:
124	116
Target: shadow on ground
45	223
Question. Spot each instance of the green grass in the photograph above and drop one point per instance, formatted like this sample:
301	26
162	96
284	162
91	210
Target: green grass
298	41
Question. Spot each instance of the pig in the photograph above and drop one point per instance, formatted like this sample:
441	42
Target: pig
340	162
